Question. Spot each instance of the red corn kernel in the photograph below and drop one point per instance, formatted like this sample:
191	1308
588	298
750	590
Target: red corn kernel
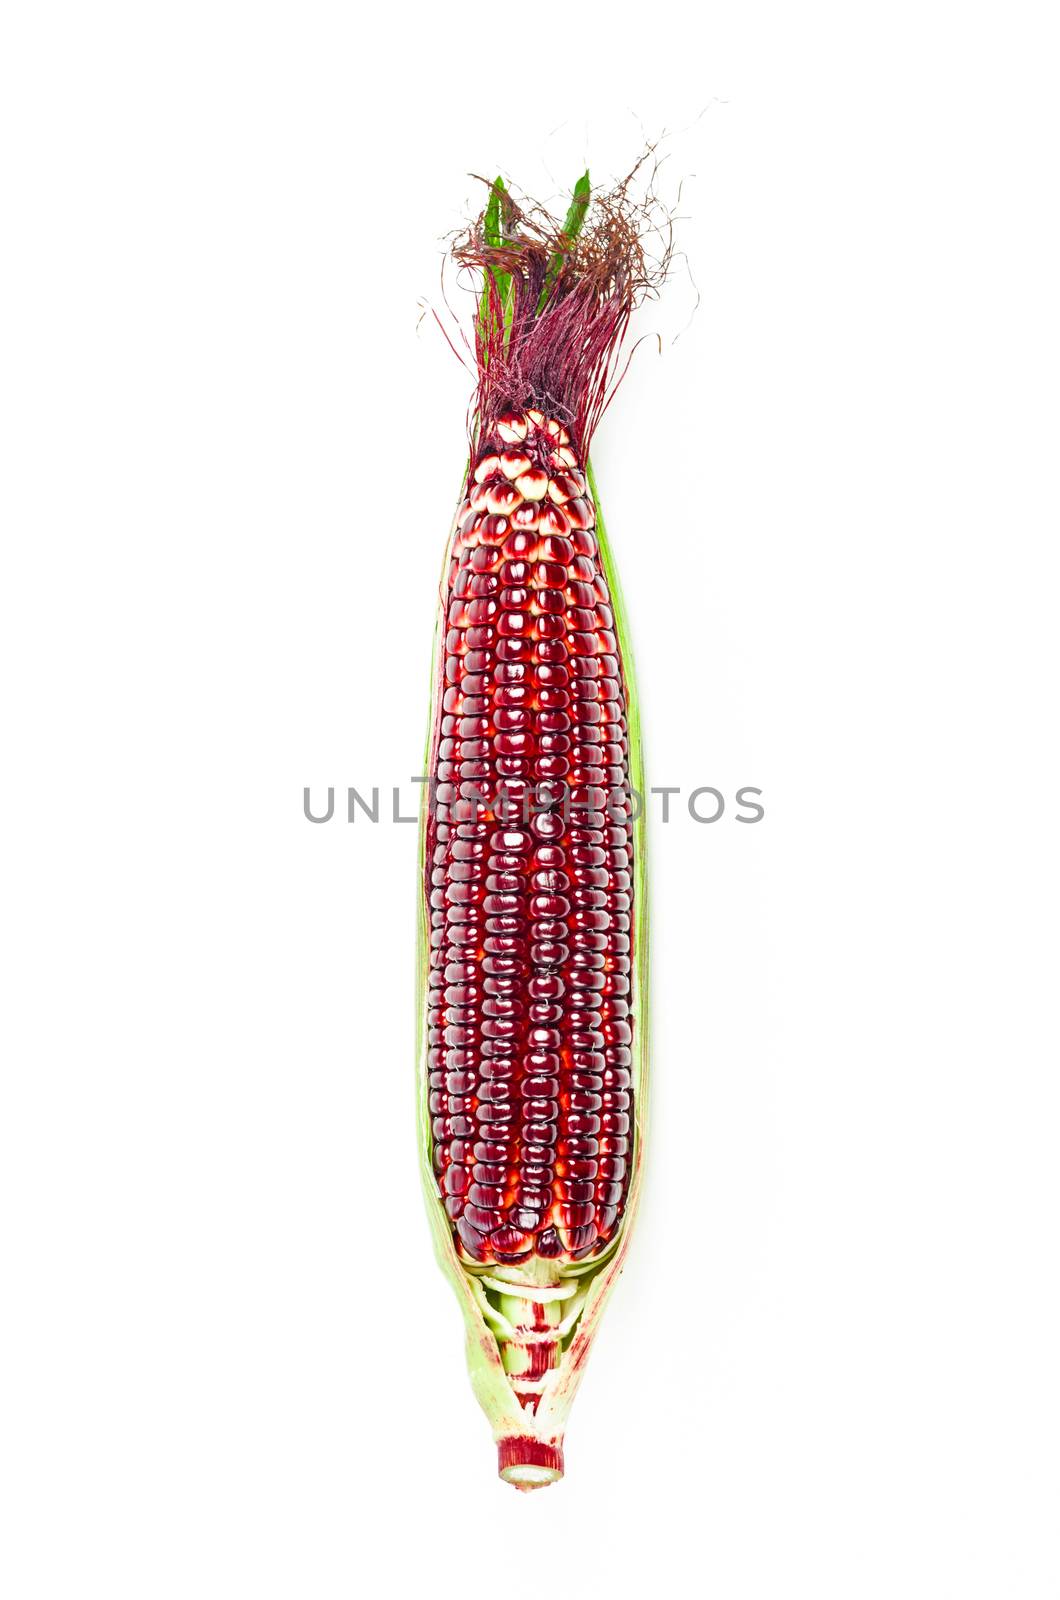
529	874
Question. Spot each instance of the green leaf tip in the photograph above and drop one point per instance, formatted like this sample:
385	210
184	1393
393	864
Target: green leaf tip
578	207
572	226
493	231
492	226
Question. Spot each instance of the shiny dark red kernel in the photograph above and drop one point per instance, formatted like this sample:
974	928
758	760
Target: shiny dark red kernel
529	884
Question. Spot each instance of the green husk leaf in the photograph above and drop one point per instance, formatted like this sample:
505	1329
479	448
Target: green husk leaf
572	226
493	228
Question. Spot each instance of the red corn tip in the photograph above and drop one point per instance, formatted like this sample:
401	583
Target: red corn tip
529	866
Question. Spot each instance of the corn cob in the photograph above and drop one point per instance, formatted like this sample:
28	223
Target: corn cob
533	1062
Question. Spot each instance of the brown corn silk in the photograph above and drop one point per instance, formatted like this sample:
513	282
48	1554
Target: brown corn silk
531	916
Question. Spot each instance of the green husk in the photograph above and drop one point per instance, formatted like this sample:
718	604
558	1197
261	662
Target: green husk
494	233
572	226
493	228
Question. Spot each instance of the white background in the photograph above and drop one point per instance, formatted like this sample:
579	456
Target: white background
230	1365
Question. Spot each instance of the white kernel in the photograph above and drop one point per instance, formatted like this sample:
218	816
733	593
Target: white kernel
533	485
512	428
486	468
514	465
